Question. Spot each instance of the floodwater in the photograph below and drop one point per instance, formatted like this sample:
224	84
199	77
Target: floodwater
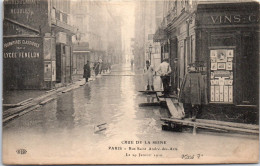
101	122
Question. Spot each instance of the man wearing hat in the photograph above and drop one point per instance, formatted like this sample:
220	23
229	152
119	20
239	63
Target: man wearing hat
190	94
164	70
86	74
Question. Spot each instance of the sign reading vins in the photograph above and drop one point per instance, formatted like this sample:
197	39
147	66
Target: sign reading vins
234	19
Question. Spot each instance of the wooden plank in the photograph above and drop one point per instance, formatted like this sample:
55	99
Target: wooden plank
67	90
29	110
159	93
230	124
173	110
148	91
46	101
203	125
161	99
50	90
149	104
16	110
179	107
25	101
9	118
173	96
11	105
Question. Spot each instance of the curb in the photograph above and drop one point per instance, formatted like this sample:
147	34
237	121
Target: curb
32	104
37	102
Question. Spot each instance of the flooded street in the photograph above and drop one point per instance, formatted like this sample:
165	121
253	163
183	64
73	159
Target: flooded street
102	119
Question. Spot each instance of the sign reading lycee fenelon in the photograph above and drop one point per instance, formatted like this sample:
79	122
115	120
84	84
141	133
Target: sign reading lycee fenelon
23	62
21	49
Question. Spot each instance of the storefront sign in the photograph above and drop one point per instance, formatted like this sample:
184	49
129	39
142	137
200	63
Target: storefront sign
32	13
22	62
22	48
233	19
61	37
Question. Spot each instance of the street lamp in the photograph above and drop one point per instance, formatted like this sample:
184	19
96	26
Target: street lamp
150	51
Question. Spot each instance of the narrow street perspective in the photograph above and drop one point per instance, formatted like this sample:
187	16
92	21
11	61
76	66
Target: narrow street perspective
130	82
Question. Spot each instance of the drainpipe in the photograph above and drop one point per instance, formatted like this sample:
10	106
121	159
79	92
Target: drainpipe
188	41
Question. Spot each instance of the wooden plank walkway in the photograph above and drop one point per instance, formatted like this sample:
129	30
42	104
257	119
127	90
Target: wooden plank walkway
177	114
230	124
188	122
174	110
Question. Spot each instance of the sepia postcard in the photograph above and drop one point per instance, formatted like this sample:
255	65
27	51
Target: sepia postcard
130	82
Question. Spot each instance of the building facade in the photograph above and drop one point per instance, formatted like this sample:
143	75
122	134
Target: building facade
224	39
148	16
37	44
99	34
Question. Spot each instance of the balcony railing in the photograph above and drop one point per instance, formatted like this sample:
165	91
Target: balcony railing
60	16
61	19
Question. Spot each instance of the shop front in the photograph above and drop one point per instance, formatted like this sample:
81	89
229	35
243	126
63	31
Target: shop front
23	62
227	41
28	46
81	54
63	55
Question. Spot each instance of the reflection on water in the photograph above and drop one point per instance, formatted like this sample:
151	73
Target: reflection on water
65	111
87	92
68	125
151	99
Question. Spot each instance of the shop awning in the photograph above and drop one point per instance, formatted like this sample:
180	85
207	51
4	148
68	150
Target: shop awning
160	35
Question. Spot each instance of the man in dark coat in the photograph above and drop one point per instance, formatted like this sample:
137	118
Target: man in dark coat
191	92
86	74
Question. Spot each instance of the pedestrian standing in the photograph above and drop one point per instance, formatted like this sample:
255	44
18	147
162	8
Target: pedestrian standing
109	66
148	74
164	70
100	65
86	74
96	68
190	94
132	62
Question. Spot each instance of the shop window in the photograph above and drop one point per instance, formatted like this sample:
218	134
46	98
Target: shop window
221	76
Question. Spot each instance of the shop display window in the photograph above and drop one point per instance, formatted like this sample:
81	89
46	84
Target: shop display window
221	76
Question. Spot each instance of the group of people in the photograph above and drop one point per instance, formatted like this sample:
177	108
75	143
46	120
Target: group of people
164	70
191	89
98	68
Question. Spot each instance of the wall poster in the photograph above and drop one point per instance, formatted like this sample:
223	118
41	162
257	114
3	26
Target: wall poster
221	77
